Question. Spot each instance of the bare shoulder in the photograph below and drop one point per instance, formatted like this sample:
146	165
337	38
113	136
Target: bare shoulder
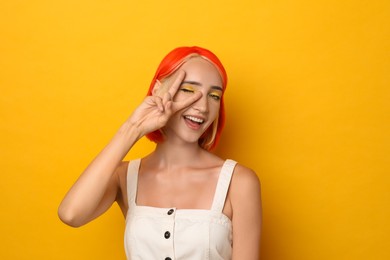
245	177
245	184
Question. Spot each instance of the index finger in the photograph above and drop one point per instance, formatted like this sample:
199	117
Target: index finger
177	80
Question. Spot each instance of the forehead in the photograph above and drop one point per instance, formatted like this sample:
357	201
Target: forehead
198	68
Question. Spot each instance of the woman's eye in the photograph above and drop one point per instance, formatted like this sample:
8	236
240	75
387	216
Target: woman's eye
187	90
215	96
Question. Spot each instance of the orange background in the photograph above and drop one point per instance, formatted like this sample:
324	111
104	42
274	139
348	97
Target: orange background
307	108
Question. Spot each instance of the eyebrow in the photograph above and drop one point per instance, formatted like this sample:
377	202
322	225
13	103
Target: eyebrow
199	84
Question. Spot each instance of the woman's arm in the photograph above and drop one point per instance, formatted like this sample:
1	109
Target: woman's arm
98	186
245	196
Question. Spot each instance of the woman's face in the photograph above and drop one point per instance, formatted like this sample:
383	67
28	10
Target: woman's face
191	122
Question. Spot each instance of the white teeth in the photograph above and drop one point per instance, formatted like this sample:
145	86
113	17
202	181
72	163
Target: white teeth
197	120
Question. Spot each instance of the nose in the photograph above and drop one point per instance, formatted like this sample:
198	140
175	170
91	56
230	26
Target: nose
201	104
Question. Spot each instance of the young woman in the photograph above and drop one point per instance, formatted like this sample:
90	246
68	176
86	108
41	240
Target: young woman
181	201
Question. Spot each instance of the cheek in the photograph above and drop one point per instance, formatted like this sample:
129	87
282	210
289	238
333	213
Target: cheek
214	109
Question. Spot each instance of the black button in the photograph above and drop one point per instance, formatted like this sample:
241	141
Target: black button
168	258
170	211
167	235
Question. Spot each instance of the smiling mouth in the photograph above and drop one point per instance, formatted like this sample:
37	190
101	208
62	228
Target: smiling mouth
194	119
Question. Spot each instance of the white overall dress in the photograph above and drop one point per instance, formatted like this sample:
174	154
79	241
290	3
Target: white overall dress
178	234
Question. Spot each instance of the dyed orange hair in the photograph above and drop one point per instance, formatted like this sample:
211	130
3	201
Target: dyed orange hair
172	63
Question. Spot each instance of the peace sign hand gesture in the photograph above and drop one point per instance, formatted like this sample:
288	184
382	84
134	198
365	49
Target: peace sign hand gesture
154	112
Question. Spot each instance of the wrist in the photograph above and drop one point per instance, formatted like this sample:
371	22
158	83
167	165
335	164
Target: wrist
130	130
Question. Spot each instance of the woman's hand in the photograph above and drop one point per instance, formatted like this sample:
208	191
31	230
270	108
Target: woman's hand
98	187
155	111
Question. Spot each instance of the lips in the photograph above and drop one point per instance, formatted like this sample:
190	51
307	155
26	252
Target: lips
194	119
193	122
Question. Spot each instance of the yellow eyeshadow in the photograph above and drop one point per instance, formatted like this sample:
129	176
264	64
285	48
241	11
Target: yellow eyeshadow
215	94
188	88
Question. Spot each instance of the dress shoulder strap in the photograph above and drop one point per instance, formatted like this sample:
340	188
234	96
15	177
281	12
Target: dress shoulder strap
132	181
223	184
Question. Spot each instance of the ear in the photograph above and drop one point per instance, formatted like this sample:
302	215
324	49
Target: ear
156	87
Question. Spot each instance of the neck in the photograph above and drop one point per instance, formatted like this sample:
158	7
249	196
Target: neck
168	154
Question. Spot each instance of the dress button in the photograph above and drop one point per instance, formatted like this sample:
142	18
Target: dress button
170	211
168	258
167	235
